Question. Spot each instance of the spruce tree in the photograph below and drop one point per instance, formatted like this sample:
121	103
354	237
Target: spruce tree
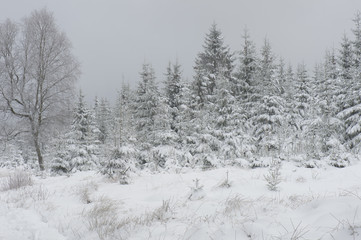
357	42
122	117
267	71
215	61
103	120
146	104
328	87
281	78
213	66
351	113
79	151
248	66
303	100
268	107
173	92
345	59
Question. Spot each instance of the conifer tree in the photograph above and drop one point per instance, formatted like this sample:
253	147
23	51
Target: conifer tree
268	107
266	74
328	86
173	91
351	113
357	42
281	77
146	107
345	59
213	66
79	150
121	117
215	61
248	66
103	120
302	104
304	110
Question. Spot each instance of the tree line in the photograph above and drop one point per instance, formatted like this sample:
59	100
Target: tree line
238	108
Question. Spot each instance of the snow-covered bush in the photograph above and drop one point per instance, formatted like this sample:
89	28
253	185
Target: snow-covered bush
74	157
337	154
168	157
273	177
60	164
339	160
259	162
118	165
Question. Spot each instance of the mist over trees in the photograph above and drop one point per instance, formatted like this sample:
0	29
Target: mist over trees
239	107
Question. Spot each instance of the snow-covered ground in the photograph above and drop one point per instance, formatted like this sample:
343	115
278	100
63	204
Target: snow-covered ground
322	203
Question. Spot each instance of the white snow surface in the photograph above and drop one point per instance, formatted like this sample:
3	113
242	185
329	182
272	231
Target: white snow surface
319	203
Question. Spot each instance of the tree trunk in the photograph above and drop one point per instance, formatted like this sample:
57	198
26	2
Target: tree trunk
38	152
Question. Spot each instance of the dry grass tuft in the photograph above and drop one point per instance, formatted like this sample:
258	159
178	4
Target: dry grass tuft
16	180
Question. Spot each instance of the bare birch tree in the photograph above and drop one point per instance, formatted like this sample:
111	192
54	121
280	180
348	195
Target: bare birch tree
37	74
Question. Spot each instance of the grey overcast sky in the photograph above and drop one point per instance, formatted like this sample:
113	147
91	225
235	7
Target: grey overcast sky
113	38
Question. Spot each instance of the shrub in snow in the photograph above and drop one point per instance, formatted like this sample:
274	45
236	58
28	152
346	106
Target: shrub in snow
173	158
239	162
256	162
186	159
60	164
158	158
85	159
312	163
207	163
118	164
205	151
337	154
197	191
16	180
72	157
273	177
11	157
339	160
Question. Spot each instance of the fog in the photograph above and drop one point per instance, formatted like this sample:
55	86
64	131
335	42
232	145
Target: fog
112	38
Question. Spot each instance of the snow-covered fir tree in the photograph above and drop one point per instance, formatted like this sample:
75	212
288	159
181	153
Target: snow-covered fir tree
345	59
79	148
248	66
121	121
173	91
146	107
213	65
215	60
357	43
266	75
103	120
351	114
268	108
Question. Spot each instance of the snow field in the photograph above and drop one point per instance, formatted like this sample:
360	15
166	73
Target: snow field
322	203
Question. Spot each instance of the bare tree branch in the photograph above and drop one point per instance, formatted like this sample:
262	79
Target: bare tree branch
37	73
